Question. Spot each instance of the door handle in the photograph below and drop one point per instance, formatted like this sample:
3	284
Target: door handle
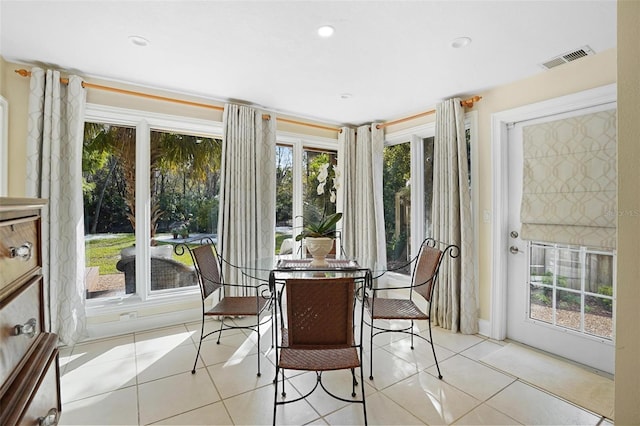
514	250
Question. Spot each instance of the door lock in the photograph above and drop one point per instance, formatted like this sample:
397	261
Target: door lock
514	234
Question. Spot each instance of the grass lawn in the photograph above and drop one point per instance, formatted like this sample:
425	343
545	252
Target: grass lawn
105	252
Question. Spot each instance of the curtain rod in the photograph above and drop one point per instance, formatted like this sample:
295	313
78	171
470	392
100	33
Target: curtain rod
464	103
86	85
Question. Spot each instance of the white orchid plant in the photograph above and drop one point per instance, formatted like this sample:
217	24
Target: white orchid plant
325	227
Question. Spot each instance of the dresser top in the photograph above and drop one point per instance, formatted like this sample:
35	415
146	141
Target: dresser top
13	203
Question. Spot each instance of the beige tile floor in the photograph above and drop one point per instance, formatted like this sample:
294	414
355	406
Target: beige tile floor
145	378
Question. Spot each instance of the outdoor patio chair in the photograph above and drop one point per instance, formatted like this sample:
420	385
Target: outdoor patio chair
423	282
165	273
317	334
208	267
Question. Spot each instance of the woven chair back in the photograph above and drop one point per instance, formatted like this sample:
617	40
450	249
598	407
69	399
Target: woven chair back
320	312
426	271
208	269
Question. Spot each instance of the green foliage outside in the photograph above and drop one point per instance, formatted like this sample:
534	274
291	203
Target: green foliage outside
284	186
396	177
570	300
184	180
317	206
105	252
606	290
279	238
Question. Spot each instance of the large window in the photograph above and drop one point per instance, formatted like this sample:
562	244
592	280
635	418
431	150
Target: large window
284	199
299	162
408	189
181	167
397	204
319	198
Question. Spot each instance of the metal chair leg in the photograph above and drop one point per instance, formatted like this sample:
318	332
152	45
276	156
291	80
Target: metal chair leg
193	370
354	382
220	332
275	397
434	350
371	352
258	331
411	334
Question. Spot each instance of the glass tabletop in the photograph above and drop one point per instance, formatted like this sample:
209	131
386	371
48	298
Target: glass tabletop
283	266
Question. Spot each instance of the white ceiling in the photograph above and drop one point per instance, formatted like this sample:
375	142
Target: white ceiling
394	57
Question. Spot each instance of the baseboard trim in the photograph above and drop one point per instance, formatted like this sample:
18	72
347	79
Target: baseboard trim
117	328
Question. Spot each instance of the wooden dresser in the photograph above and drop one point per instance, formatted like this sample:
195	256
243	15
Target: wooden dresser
29	366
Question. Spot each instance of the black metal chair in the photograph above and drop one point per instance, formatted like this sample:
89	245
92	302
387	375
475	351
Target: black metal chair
318	334
208	268
423	282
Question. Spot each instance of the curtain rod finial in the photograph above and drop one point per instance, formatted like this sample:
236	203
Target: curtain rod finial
23	72
469	102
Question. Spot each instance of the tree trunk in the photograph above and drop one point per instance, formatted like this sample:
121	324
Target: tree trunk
96	216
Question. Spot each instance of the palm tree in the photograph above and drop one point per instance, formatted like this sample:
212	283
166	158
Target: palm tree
115	145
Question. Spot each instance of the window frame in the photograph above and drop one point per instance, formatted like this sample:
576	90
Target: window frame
299	143
144	122
415	136
173	304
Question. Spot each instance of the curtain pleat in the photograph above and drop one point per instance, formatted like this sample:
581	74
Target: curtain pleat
347	169
54	172
456	305
368	214
246	228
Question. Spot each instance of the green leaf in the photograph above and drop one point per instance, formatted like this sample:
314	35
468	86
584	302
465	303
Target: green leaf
324	228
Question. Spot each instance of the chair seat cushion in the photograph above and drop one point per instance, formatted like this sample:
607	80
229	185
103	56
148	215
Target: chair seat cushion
319	360
383	308
231	306
324	359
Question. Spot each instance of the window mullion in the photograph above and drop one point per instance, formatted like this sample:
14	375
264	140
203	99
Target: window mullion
143	209
298	196
418	230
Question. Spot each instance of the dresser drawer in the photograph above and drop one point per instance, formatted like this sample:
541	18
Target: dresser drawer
19	249
35	395
45	404
21	321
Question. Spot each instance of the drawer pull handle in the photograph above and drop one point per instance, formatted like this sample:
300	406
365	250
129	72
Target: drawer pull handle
24	252
51	419
28	328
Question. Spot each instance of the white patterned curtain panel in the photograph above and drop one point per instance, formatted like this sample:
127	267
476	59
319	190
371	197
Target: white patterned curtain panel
54	172
246	228
367	215
456	304
347	169
570	181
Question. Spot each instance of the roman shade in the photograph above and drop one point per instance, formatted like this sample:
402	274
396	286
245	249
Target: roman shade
569	181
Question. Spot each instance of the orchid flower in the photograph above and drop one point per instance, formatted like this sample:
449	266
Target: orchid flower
324	173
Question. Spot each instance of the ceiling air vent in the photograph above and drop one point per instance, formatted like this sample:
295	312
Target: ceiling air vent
568	57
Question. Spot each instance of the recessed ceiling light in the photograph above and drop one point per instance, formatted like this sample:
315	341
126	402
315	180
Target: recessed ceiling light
460	42
138	40
326	31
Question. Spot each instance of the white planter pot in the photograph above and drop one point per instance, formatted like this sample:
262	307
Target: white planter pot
319	247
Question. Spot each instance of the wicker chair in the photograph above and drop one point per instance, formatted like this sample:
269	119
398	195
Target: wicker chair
208	267
318	332
165	273
423	282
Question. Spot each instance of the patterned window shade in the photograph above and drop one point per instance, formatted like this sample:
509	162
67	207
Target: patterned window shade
569	181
